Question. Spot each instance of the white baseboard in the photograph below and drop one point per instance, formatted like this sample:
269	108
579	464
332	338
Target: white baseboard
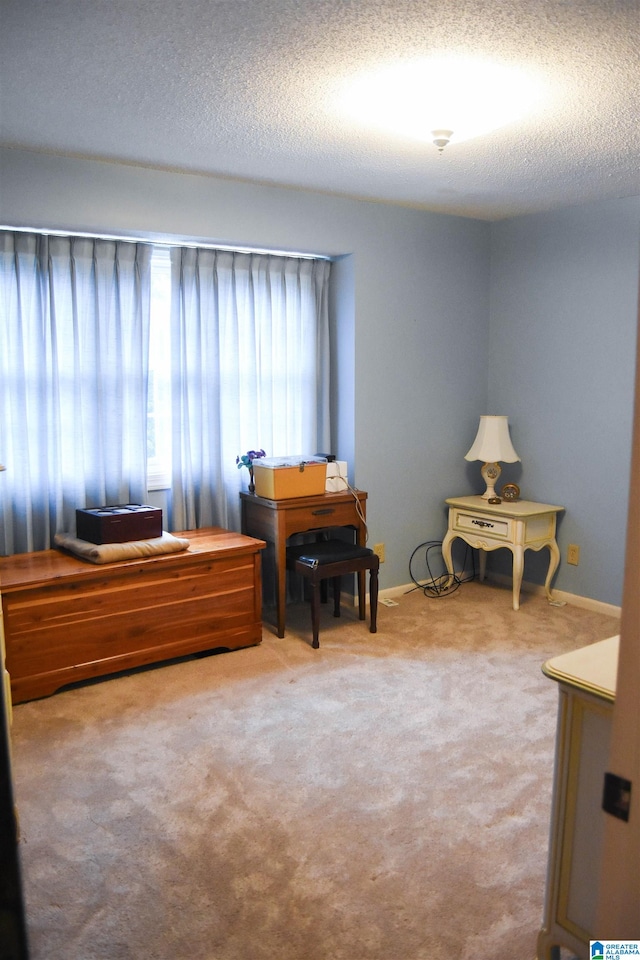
596	606
392	593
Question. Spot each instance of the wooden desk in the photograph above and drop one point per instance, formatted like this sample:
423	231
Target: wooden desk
519	526
277	520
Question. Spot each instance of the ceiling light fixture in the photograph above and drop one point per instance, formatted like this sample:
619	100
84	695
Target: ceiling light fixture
440	138
443	100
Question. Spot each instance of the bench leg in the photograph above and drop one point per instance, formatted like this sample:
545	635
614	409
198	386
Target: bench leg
373	600
315	613
362	594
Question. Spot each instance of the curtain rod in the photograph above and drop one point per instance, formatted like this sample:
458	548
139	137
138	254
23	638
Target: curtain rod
167	243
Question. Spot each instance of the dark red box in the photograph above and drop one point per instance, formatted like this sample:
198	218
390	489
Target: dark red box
119	524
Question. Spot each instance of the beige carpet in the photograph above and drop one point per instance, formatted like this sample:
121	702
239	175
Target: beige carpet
386	797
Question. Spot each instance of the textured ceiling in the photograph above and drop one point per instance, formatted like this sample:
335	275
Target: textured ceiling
248	89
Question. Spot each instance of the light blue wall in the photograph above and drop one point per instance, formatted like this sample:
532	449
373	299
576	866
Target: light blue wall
564	307
439	319
413	311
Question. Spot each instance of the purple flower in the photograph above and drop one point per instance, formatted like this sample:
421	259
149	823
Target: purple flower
246	460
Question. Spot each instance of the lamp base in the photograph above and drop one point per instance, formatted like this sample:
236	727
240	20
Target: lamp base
490	473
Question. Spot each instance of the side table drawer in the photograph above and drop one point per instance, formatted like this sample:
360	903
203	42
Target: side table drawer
486	525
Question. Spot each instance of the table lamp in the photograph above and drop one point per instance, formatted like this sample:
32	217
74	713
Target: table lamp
492	443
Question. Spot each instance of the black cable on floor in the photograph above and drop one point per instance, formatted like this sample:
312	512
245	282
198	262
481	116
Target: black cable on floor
444	584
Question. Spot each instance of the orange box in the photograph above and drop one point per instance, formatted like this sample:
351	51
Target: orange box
282	478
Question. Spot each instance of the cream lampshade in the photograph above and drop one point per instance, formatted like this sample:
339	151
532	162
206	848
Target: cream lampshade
492	443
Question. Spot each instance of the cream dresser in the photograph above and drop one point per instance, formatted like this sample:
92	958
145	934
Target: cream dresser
587	686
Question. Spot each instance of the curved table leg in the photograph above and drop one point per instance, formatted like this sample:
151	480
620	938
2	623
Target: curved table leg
518	570
554	561
446	556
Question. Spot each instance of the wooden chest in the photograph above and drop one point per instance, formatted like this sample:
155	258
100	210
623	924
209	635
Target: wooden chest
68	620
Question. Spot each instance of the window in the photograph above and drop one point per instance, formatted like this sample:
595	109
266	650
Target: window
126	366
249	358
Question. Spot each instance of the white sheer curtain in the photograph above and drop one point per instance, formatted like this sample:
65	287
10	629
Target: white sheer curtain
250	370
74	325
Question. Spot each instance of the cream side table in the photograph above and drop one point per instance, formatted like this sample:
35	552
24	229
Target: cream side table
519	526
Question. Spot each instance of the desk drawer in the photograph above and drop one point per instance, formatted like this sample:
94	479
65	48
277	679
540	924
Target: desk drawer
483	525
320	516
